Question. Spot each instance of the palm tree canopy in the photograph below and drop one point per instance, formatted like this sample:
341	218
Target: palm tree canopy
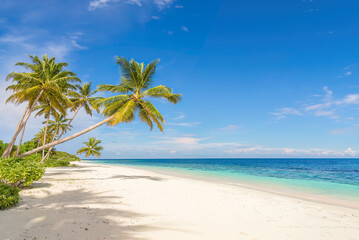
83	97
45	76
91	148
47	110
60	123
39	137
133	90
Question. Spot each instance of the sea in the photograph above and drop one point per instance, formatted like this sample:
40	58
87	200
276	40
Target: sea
324	176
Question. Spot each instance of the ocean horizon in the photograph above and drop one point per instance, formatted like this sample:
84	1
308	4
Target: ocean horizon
325	176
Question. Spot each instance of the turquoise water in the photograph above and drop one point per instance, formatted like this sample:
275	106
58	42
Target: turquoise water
339	177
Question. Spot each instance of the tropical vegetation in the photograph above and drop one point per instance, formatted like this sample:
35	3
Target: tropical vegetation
130	98
46	81
20	172
9	196
92	148
51	91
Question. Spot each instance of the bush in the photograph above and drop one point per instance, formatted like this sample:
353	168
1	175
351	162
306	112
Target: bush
19	172
52	162
65	155
9	196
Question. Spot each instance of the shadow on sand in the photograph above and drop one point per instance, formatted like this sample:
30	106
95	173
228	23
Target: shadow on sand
75	214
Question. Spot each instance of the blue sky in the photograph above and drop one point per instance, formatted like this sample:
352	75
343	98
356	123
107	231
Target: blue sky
258	78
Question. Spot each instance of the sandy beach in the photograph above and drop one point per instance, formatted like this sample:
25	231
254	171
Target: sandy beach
92	201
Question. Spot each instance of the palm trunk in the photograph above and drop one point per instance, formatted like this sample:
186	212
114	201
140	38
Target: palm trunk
19	145
48	153
68	138
7	152
63	131
38	144
17	128
47	124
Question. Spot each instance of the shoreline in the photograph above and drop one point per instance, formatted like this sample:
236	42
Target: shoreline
99	201
271	188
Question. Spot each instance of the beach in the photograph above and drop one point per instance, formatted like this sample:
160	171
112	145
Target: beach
97	201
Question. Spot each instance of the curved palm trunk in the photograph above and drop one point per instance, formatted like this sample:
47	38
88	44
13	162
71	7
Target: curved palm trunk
62	133
47	124
19	145
9	148
68	138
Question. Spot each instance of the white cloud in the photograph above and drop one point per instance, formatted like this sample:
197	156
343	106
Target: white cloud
99	4
292	152
284	112
185	124
186	140
348	70
20	45
343	131
184	28
349	151
162	4
178	6
156	17
349	99
327	107
229	128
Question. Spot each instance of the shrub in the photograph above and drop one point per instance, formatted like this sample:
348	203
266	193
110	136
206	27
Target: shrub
65	155
19	172
9	196
53	162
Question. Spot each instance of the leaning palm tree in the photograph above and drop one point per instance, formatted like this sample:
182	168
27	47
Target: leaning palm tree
92	148
46	81
47	110
82	98
59	124
131	97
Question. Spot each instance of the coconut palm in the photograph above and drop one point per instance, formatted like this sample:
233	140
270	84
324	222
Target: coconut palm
46	81
92	148
47	110
80	98
59	124
39	137
131	97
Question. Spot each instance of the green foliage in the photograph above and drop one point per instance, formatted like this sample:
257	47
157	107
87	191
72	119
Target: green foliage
20	172
65	155
60	159
92	148
3	146
27	146
52	162
9	196
135	86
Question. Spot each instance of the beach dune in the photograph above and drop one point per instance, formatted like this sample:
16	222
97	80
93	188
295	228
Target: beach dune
92	201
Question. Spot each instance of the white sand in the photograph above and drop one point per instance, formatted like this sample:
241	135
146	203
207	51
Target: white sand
112	202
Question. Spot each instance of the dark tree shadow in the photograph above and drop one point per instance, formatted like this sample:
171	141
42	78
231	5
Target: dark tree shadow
75	214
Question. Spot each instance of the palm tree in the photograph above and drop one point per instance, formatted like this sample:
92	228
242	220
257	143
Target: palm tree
47	110
55	126
39	137
131	98
91	148
46	81
80	98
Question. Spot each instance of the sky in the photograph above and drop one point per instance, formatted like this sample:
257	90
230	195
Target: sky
259	78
